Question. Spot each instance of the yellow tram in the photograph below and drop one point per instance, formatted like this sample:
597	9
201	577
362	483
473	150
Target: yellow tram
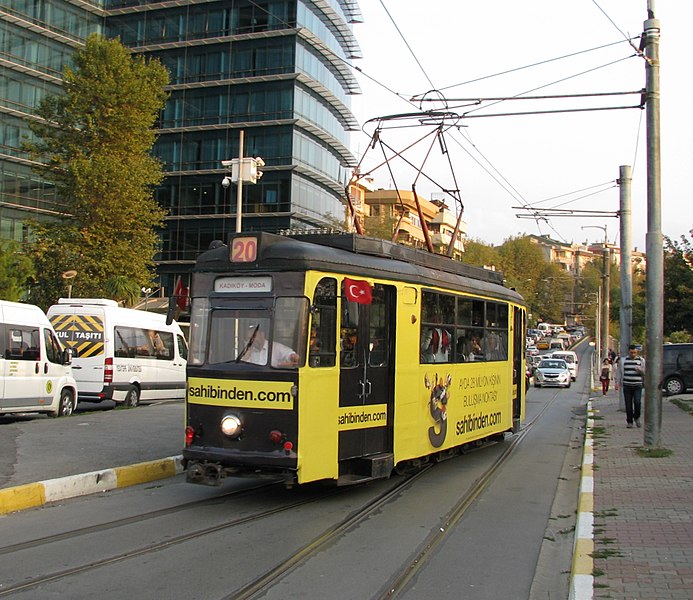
341	357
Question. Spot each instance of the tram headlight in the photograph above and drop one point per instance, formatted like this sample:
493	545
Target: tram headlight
231	426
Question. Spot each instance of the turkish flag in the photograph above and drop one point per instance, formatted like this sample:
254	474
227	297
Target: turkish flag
181	293
358	291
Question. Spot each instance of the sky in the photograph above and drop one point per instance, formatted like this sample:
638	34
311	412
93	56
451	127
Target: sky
454	50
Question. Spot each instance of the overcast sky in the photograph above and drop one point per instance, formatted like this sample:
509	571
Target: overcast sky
564	160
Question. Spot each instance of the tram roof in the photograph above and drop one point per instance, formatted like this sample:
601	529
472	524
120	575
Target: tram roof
358	255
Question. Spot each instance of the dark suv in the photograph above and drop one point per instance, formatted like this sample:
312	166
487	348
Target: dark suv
677	368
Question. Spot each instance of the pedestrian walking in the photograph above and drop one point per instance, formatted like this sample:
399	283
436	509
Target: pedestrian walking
605	375
631	375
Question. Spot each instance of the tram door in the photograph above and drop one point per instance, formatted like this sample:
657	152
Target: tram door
519	390
366	358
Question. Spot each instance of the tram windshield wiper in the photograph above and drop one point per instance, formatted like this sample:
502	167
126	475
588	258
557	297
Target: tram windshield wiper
243	352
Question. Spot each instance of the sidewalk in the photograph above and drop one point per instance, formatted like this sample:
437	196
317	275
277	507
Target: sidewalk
642	516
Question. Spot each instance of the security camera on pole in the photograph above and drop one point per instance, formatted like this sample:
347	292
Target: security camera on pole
242	169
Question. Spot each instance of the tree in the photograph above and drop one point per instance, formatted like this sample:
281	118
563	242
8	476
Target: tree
678	285
123	290
94	143
479	254
16	269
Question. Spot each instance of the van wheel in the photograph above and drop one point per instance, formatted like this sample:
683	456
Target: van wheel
132	398
673	386
66	405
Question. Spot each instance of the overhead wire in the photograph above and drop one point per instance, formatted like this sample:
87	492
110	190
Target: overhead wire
406	43
510	189
529	66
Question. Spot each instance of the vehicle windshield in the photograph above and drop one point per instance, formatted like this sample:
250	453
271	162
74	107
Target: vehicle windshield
236	334
552	364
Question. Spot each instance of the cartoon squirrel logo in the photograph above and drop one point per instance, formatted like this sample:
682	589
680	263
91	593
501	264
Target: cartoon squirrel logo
437	405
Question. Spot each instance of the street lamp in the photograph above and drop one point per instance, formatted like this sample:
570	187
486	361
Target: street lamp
606	268
69	276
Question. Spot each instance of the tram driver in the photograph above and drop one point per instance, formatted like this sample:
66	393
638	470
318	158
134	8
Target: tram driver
282	356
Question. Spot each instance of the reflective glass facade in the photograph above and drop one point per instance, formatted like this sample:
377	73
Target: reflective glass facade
272	68
36	39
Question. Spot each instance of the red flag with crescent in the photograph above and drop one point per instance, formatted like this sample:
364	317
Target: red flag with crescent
358	291
181	293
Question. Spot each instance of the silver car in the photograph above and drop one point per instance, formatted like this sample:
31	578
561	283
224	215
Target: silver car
552	372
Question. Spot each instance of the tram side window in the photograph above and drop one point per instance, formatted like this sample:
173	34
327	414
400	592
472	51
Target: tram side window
378	331
437	339
485	335
200	317
290	330
496	338
469	344
322	343
458	329
348	337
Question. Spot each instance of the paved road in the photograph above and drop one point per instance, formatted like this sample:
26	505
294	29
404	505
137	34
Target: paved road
35	448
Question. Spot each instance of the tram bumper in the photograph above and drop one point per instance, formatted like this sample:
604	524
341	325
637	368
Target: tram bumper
210	467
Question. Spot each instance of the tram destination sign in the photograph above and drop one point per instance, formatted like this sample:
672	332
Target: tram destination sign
243	285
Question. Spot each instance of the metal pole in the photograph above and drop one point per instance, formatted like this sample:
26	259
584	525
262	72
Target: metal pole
654	240
239	190
626	313
598	325
606	272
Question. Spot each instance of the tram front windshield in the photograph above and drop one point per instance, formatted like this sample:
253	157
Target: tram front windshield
235	334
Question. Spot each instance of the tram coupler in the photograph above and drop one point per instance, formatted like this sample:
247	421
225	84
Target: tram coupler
204	473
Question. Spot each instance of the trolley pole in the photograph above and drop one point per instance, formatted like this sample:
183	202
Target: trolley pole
626	313
654	242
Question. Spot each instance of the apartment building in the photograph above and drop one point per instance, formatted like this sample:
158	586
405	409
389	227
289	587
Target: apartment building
396	210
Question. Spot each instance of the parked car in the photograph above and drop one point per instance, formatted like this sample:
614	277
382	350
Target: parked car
677	368
552	372
571	360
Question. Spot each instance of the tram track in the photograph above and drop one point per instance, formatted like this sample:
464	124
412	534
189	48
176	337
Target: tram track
399	580
273	576
149	548
103	527
260	584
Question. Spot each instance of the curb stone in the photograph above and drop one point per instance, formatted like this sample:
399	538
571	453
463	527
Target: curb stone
31	495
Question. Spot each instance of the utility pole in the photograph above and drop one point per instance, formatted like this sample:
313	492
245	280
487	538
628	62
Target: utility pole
653	241
242	169
626	313
239	188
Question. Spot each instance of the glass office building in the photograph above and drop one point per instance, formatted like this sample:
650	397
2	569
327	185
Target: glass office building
36	39
275	69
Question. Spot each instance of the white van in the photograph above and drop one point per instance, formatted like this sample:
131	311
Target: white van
556	344
570	359
121	354
35	374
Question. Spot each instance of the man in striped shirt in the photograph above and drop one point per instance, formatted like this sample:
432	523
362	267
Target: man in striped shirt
631	375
